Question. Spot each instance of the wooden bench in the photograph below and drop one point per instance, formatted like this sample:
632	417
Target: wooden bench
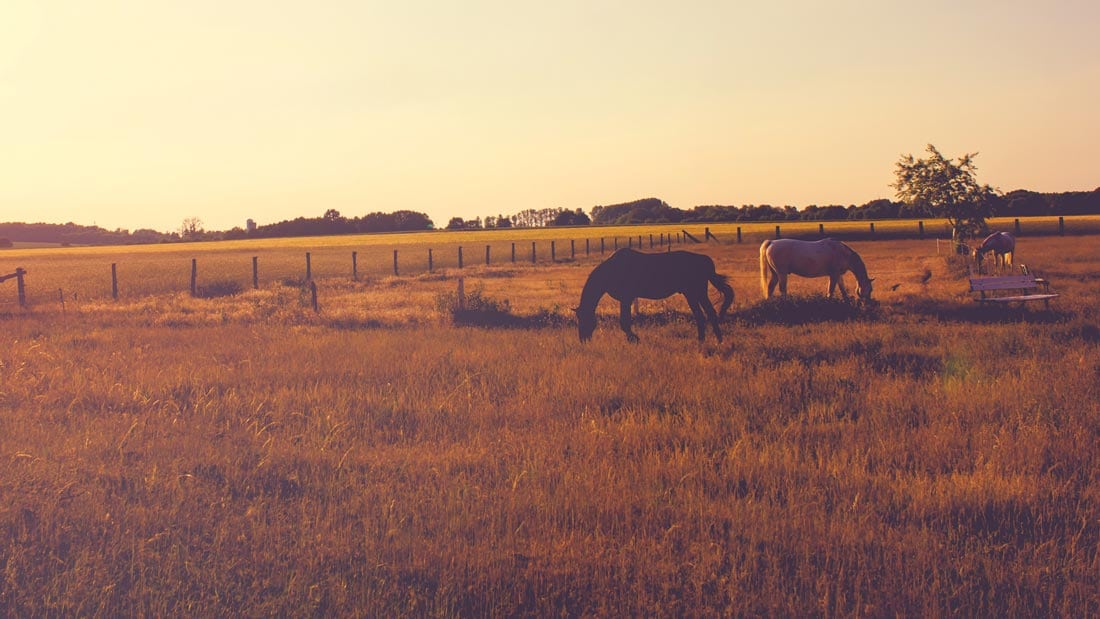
1012	289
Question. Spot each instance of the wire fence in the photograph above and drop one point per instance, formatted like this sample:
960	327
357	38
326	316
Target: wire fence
83	274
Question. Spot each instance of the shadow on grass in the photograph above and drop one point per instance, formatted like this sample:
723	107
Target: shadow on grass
981	313
801	310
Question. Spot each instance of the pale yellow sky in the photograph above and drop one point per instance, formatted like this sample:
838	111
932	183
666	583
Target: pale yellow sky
140	113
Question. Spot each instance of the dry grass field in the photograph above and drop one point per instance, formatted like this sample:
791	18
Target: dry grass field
246	455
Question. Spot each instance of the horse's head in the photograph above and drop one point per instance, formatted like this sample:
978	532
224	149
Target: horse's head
586	323
863	290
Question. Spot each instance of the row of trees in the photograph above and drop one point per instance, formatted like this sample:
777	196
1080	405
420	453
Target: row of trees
75	234
332	222
527	218
933	186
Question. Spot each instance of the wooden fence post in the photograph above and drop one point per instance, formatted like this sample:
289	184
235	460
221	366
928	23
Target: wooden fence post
21	286
309	267
114	281
738	234
460	257
194	276
532	252
650	241
395	262
486	255
256	270
920	230
777	233
430	260
601	246
1017	226
553	252
872	229
355	265
586	248
313	295
1061	226
821	229
513	253
572	248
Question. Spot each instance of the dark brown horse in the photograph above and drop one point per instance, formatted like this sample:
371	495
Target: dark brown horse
629	275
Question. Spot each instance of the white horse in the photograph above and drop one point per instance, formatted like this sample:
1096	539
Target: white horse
782	257
1003	246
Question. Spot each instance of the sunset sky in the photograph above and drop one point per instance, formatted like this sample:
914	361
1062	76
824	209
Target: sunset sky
140	113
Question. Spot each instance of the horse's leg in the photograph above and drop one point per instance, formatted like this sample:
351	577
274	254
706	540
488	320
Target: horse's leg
624	319
697	312
843	288
782	283
773	281
708	307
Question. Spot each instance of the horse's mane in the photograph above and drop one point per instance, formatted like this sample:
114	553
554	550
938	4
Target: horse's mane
594	288
855	263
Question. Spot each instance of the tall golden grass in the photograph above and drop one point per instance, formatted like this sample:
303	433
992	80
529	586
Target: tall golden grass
165	455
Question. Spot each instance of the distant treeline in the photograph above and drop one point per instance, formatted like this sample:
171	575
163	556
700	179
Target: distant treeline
332	222
1019	203
74	234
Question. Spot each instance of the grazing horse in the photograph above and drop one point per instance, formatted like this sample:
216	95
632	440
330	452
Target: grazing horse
782	257
1003	247
628	275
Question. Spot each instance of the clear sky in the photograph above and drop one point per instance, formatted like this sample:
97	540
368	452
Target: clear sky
140	113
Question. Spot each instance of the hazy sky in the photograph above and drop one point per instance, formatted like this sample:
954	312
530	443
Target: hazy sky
140	113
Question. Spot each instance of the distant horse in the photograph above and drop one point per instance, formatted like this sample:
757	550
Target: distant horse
782	257
1003	247
628	275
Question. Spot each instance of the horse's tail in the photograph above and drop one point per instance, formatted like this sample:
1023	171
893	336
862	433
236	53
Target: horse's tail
765	267
721	282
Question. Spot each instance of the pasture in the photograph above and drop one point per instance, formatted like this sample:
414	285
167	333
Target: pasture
169	455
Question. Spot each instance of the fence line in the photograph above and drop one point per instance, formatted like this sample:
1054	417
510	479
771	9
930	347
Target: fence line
416	265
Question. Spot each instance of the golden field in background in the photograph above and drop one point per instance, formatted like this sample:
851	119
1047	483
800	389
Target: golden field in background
169	455
76	274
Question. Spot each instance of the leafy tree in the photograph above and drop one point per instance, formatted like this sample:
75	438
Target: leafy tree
571	218
945	188
1023	203
191	229
412	220
647	210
